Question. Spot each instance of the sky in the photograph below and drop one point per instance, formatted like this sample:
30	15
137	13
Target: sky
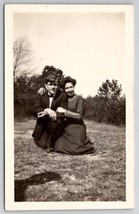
89	47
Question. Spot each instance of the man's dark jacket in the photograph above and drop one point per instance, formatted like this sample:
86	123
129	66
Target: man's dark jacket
42	102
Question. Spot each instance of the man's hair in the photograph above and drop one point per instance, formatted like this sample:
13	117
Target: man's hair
52	74
51	78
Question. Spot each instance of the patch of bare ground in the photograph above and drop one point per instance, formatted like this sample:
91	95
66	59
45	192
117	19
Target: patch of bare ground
40	176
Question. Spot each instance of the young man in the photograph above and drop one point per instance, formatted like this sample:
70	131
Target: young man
50	124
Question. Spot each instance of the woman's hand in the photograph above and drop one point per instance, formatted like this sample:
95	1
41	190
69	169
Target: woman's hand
61	110
41	91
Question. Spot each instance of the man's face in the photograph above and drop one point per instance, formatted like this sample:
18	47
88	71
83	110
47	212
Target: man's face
69	89
52	87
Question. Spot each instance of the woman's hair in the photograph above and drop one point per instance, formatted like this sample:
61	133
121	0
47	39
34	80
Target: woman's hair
67	80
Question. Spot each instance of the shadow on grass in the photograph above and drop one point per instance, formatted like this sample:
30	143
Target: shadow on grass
21	185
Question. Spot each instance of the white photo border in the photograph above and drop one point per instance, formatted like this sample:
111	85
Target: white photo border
9	119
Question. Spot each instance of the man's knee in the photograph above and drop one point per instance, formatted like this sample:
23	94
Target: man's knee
44	120
55	124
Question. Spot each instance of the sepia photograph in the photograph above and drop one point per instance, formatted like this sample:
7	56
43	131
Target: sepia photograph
69	107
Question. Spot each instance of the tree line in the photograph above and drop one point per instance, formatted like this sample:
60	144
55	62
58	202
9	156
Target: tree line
107	106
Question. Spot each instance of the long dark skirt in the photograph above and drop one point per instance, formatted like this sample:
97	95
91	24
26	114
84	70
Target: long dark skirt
74	141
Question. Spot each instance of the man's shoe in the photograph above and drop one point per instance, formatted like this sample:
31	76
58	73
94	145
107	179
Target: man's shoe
49	149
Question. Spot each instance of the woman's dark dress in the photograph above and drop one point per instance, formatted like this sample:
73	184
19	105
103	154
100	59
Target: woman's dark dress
74	140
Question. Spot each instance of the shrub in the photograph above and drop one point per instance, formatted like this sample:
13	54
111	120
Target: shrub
102	109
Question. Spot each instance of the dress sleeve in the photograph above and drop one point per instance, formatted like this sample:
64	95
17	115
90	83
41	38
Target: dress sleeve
79	110
80	106
72	114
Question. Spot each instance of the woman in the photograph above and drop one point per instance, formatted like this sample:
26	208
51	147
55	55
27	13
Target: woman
73	140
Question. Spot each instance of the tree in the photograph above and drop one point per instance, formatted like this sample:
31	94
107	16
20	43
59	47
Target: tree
25	90
111	104
110	89
23	57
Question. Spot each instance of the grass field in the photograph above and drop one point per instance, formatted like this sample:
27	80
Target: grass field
41	176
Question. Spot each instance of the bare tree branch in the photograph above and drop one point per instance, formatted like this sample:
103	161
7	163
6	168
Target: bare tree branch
23	57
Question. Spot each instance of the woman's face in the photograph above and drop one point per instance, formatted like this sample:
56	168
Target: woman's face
69	89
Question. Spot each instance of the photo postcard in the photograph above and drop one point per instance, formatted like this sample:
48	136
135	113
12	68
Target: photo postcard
69	106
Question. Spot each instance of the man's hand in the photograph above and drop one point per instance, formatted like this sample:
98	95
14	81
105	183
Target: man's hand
41	114
51	113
